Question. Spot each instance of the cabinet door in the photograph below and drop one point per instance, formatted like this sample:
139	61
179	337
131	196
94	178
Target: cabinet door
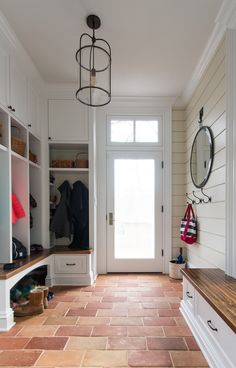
18	91
68	121
4	76
34	110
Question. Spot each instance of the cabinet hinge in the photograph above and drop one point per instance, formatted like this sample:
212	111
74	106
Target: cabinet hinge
162	164
162	252
162	208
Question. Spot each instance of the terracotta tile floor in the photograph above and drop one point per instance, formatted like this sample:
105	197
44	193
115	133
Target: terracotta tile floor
121	321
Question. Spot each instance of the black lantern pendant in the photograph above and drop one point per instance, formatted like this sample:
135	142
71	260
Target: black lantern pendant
94	59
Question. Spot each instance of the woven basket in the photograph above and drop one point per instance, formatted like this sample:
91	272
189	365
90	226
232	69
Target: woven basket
18	146
33	157
82	163
62	163
175	270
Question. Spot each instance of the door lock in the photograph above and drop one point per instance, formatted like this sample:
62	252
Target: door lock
110	218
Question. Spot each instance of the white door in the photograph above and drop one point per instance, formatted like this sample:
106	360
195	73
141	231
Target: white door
134	211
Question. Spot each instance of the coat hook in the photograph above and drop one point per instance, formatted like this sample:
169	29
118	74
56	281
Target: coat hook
190	199
200	199
209	198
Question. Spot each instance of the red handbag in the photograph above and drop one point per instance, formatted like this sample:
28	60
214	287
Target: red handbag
188	226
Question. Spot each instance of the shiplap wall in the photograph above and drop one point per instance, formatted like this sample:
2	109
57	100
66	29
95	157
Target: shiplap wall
178	176
209	251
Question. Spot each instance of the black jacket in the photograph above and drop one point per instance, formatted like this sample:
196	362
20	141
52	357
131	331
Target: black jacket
61	223
80	216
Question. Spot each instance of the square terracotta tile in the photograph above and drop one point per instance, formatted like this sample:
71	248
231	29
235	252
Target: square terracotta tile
99	305
30	331
93	321
159	321
86	343
82	312
177	331
61	321
166	343
169	313
149	359
192	343
12	332
126	321
47	343
20	358
31	320
188	359
74	331
156	305
13	343
145	331
66	358
109	331
108	359
142	312
126	343
112	313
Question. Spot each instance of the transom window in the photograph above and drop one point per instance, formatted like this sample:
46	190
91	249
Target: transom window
130	130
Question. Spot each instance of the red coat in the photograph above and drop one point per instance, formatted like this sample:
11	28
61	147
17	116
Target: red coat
17	209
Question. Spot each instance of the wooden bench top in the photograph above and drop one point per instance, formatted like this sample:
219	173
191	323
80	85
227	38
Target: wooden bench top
35	257
218	289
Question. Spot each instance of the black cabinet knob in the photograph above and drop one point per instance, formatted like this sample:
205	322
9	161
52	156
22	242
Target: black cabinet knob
49	138
9	107
13	110
29	125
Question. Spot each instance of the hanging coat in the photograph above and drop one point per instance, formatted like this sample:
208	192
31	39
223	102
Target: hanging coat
17	209
80	216
61	223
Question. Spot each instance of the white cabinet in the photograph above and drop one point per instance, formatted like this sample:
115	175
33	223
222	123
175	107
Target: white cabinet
68	121
34	110
4	76
215	338
18	91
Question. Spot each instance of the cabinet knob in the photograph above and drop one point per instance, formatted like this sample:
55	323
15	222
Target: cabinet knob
13	110
9	107
49	138
29	125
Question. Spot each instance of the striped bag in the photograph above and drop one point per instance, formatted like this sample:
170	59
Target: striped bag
188	226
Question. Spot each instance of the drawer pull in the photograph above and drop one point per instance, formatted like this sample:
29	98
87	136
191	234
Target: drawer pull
70	264
211	326
189	295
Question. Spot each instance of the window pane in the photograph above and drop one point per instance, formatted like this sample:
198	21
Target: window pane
134	213
146	131
122	131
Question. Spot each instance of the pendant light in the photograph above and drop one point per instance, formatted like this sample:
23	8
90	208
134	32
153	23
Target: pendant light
94	59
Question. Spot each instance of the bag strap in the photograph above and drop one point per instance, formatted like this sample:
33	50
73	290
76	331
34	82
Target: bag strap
187	212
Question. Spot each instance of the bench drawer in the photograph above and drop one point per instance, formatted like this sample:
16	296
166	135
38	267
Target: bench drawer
70	264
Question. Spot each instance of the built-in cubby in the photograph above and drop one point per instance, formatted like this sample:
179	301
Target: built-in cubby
64	159
19	178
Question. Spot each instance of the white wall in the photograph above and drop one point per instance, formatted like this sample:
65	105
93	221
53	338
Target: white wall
178	177
209	251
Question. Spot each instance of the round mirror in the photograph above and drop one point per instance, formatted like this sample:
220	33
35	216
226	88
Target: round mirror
201	159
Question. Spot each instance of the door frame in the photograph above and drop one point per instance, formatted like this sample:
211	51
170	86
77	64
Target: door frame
139	107
136	265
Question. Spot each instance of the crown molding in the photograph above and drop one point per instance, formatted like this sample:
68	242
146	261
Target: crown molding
226	18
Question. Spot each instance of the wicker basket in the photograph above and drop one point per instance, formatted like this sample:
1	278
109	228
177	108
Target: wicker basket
175	270
81	163
33	157
62	163
18	146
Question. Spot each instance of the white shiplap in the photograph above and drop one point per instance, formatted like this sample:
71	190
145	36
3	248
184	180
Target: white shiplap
209	251
178	176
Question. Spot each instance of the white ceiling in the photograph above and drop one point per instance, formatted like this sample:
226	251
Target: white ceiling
156	44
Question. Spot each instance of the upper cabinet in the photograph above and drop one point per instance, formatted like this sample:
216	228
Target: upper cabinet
68	121
34	110
4	76
18	91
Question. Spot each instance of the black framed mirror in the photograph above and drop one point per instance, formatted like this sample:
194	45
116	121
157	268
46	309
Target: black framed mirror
201	159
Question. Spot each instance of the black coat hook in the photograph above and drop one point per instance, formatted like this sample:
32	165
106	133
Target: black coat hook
200	199
208	198
190	199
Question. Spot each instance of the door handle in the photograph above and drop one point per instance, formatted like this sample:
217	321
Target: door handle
111	218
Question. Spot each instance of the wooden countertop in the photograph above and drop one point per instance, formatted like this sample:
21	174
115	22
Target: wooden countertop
218	289
35	257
